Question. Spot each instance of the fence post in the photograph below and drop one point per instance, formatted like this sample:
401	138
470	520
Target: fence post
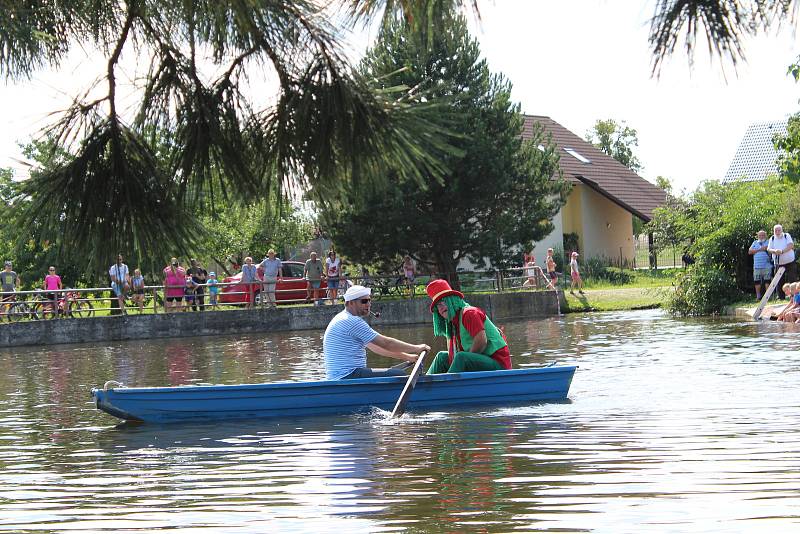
650	248
155	298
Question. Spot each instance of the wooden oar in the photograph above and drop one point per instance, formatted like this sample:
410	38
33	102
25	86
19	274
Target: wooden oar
400	406
776	280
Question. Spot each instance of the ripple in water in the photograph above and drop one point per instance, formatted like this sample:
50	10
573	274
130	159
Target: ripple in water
671	426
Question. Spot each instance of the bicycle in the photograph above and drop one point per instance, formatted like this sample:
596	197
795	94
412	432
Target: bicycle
17	310
391	286
69	304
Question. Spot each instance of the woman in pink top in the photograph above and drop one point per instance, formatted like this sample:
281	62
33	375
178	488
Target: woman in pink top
52	286
174	281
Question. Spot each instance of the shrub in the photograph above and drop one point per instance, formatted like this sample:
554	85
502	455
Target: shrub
616	276
701	290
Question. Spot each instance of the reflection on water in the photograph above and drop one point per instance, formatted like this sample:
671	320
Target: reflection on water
672	426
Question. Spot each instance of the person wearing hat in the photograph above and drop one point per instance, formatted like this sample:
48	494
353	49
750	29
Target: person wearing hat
575	274
213	289
348	336
474	343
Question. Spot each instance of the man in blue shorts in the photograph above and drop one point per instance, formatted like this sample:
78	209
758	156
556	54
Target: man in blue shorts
348	336
120	281
762	263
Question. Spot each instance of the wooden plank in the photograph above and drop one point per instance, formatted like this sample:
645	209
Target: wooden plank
400	406
772	286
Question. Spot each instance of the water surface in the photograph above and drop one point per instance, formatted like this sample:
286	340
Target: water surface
672	426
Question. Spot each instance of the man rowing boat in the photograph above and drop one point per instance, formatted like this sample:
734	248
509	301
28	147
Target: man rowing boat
348	336
474	343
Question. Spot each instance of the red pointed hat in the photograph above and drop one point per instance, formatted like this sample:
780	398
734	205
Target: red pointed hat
439	289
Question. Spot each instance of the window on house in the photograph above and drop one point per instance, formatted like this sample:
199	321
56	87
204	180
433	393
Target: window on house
577	155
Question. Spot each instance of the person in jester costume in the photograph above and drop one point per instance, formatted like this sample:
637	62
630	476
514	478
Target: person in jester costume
474	343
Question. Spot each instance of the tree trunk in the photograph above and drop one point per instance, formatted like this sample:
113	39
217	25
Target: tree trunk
446	269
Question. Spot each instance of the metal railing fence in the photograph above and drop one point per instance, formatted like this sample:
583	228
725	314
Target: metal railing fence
76	303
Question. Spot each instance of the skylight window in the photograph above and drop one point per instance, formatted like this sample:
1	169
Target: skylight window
577	155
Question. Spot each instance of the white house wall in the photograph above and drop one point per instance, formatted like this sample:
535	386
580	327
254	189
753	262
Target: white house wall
554	240
606	229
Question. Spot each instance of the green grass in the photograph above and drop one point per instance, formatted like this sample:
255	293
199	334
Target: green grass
640	279
617	298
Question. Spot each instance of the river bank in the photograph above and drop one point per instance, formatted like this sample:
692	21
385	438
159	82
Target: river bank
616	299
500	306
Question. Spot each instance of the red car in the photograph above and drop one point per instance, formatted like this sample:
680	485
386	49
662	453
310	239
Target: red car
290	289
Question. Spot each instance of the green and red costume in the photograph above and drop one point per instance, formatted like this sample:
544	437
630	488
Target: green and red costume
463	324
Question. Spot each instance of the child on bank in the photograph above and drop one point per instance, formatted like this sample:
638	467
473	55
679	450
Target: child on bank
213	289
138	289
550	264
575	274
189	293
530	271
789	310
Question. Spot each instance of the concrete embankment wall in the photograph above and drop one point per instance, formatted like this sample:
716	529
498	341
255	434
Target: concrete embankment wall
501	306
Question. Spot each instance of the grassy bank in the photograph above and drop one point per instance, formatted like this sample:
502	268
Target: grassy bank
618	298
644	289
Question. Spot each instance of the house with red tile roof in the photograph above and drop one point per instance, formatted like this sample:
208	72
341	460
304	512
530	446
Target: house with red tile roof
605	197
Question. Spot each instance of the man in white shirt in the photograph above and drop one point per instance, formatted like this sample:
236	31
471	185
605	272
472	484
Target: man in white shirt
120	281
348	336
781	247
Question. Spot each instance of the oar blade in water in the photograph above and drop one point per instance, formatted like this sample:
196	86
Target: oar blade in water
400	406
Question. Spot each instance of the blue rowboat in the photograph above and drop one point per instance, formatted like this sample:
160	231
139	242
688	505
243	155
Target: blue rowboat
296	399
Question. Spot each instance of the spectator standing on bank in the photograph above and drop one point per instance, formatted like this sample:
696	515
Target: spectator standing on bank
9	284
52	286
575	274
213	289
762	263
174	280
312	272
781	246
249	279
333	266
199	276
409	273
189	293
273	272
137	284
530	272
120	281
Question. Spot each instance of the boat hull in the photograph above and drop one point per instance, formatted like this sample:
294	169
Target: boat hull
300	399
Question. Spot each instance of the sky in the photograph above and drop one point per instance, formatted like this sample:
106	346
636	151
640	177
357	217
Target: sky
576	61
581	61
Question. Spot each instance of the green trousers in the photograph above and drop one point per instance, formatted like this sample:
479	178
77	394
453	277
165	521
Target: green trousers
463	362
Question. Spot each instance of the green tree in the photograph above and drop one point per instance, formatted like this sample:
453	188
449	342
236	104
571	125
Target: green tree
235	231
721	222
617	140
500	192
198	128
788	147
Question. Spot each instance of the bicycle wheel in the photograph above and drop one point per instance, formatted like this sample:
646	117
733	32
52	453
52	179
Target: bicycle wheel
19	311
379	289
38	311
81	308
400	288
